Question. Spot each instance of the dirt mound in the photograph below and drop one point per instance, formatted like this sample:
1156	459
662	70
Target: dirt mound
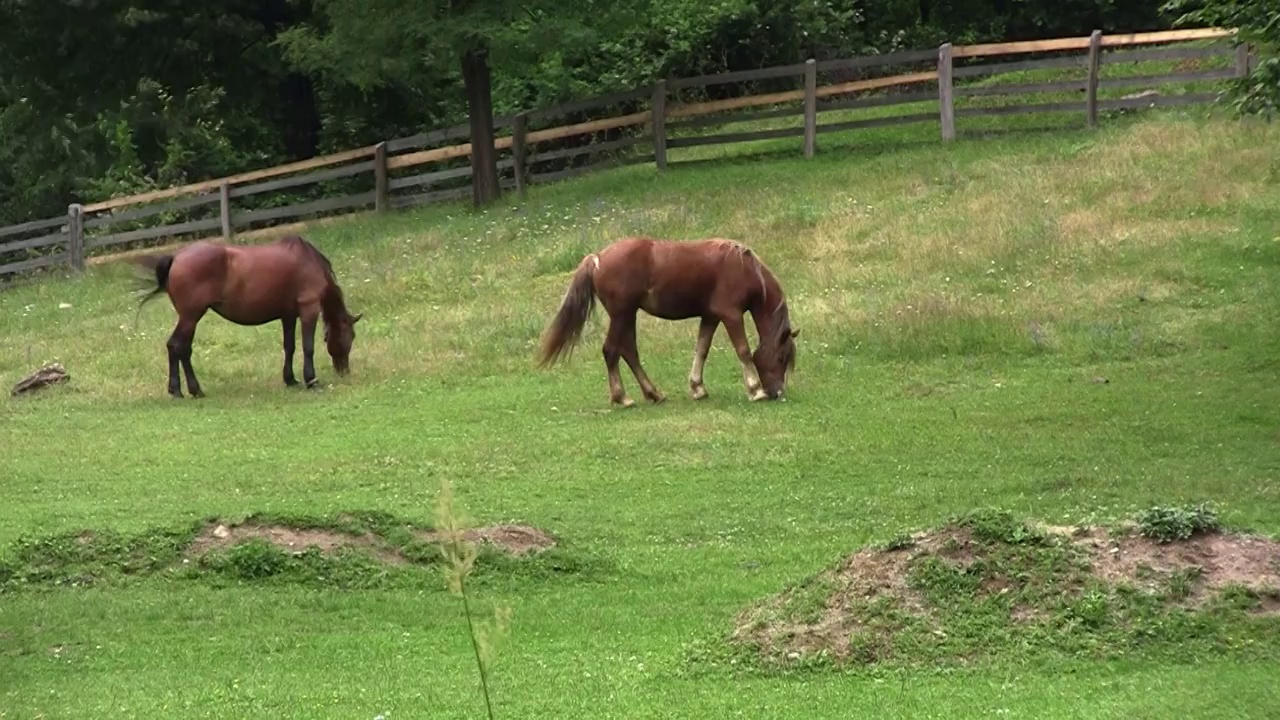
514	539
956	591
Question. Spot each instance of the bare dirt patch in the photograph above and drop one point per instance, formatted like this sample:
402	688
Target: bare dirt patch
219	536
517	540
1218	560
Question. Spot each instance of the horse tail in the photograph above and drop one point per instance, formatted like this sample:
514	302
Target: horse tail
160	265
575	309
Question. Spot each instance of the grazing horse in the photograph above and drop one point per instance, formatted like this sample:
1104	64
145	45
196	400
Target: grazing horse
716	280
287	280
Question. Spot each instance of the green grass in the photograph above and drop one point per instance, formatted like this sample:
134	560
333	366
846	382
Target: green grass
957	306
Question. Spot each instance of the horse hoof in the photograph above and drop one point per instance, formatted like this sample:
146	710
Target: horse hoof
758	396
197	395
625	403
657	399
698	393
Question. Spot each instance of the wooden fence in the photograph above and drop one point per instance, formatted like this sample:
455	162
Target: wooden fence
940	85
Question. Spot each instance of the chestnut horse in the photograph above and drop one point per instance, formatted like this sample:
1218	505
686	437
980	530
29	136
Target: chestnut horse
287	280
716	280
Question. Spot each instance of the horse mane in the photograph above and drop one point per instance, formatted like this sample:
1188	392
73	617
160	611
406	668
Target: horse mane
332	302
776	343
745	255
781	329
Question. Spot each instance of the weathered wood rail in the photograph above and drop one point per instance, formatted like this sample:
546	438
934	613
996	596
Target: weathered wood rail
942	85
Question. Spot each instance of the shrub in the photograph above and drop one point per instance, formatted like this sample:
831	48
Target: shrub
1166	524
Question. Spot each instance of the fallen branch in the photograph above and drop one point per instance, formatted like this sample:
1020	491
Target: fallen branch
47	375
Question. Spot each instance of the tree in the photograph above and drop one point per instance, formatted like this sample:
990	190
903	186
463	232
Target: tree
111	96
1258	23
377	43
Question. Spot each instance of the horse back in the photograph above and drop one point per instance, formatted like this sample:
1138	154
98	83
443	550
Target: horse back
249	284
679	279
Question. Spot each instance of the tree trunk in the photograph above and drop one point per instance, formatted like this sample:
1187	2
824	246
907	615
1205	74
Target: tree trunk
301	117
484	158
298	112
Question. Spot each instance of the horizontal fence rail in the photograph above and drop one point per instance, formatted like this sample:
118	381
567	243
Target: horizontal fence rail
1061	76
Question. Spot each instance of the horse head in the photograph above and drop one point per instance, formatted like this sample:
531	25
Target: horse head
338	338
775	357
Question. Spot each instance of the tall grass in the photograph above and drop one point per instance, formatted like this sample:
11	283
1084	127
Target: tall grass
460	556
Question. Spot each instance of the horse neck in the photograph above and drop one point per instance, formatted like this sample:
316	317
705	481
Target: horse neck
765	304
332	306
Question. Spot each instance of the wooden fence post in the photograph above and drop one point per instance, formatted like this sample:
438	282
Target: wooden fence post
1095	68
519	151
810	107
224	210
381	192
75	236
658	108
946	103
1242	60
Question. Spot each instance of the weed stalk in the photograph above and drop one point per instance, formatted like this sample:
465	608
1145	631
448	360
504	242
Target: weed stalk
460	555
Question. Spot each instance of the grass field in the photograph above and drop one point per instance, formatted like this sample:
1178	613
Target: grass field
959	308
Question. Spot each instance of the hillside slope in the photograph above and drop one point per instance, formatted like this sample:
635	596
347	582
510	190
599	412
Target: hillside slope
1073	326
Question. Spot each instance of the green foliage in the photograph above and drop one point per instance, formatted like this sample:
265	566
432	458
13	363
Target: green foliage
1166	524
1258	23
990	525
252	559
83	558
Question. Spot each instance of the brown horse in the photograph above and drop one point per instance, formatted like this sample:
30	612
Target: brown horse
716	280
287	280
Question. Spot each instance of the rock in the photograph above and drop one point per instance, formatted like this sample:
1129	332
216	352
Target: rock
47	375
221	532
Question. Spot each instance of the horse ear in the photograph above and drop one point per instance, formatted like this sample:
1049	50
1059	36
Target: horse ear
795	334
356	319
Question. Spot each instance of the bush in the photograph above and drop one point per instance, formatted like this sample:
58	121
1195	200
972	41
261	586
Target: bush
1166	524
1258	24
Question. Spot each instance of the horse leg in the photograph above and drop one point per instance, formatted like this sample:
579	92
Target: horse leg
180	346
750	378
309	348
631	354
612	351
706	331
290	330
174	346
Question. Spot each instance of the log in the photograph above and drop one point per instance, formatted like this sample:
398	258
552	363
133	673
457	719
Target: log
47	375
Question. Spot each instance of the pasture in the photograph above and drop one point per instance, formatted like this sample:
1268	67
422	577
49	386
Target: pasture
1071	326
